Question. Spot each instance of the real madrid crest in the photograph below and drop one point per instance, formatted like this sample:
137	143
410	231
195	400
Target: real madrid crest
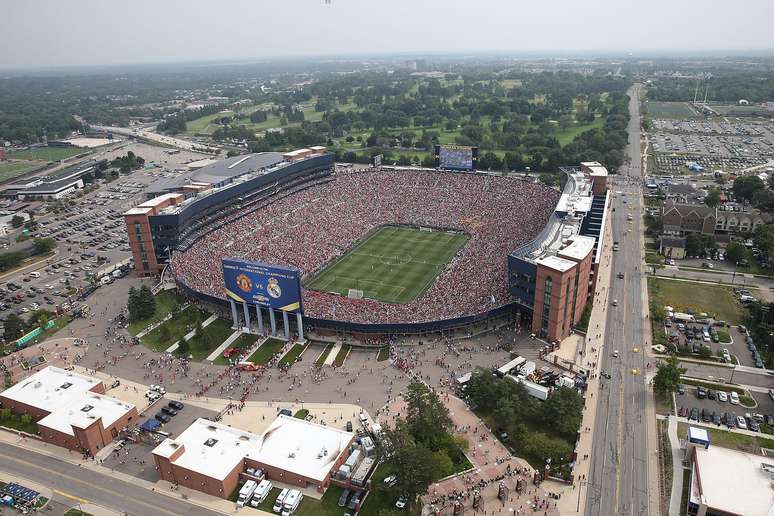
244	283
273	288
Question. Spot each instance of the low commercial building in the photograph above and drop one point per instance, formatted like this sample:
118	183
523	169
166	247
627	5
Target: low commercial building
726	481
210	456
70	409
299	452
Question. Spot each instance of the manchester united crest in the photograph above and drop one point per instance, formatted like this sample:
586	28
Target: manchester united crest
244	283
273	288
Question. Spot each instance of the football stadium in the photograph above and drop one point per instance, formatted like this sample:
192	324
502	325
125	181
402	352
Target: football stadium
377	250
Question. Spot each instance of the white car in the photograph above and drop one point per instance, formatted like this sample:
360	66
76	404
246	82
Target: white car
722	396
734	398
615	354
391	480
741	423
401	503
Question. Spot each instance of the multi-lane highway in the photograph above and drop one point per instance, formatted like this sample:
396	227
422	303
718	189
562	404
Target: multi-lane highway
618	482
85	485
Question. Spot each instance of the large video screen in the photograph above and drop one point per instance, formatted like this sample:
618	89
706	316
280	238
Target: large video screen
263	284
456	157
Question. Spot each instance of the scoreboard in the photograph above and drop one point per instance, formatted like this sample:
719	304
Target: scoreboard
456	157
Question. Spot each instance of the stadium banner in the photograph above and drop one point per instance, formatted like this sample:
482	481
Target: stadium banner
263	284
456	157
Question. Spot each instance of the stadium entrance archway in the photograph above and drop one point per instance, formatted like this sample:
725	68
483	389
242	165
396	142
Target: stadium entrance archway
245	323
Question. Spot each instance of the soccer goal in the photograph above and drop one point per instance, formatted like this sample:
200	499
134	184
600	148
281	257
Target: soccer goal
355	294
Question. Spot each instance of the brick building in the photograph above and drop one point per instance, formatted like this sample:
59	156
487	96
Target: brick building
552	277
70	409
210	457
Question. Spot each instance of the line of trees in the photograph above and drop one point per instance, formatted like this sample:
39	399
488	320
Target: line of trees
536	430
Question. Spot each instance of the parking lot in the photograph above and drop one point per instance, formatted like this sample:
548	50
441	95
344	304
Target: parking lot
690	400
90	233
135	458
676	163
719	126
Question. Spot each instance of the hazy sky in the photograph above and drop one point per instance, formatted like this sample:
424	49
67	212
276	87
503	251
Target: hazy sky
38	33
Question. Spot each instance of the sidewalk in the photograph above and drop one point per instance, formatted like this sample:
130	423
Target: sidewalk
569	503
677	468
226	343
188	336
332	355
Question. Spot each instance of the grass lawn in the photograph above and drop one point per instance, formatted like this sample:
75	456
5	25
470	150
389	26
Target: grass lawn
14	421
291	356
716	386
384	354
733	440
395	264
76	512
301	414
166	301
244	341
342	355
321	359
174	329
566	136
328	505
669	110
214	335
11	170
723	335
717	301
201	125
47	153
268	502
381	498
267	350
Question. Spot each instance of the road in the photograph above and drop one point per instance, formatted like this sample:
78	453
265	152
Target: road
86	485
618	481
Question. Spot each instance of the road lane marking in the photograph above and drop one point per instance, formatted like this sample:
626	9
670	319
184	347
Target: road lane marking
71	497
89	484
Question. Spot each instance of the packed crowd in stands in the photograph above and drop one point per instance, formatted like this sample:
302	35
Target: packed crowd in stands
316	225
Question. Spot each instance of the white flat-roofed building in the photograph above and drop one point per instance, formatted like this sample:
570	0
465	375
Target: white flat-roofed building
82	411
725	481
208	448
47	390
210	456
300	452
70	409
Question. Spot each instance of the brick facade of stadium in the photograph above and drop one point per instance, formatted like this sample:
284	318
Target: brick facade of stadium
566	306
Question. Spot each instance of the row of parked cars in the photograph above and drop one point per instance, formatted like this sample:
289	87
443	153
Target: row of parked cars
732	397
757	360
747	422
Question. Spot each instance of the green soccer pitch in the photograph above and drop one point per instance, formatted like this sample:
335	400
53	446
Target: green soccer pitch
396	264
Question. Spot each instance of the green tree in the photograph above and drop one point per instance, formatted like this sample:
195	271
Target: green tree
667	376
43	245
413	461
14	326
427	418
713	197
745	187
17	221
763	238
564	411
25	419
735	252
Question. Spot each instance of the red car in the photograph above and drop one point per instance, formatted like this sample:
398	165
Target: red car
683	412
229	352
